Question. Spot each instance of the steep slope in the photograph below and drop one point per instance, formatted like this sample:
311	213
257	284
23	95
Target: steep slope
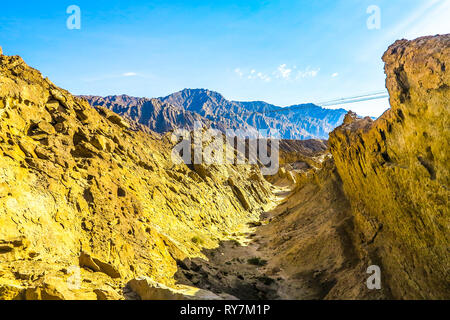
395	171
306	121
104	193
203	102
302	249
157	115
317	121
296	122
380	198
309	242
86	188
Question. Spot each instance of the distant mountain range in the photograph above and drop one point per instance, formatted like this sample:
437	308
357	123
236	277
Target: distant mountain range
183	108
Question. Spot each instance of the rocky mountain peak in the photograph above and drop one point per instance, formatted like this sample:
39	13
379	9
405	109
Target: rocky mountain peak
211	108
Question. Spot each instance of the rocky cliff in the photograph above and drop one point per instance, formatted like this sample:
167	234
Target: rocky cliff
85	188
395	171
88	195
380	198
155	114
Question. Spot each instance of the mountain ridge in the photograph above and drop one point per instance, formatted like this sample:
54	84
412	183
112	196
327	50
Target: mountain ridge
297	122
83	189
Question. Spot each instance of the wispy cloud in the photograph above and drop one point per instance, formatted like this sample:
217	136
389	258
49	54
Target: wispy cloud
334	75
253	74
239	72
282	72
262	76
308	73
116	76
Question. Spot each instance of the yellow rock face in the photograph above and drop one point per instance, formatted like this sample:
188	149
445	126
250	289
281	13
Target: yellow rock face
395	171
88	202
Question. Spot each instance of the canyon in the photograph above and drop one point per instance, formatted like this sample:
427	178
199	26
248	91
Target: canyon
92	206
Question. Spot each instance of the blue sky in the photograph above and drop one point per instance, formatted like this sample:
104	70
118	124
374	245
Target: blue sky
283	52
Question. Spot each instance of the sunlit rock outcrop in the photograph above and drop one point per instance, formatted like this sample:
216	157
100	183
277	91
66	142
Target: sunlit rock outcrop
395	171
81	188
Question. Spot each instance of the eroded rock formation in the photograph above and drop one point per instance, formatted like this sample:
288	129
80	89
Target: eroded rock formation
86	188
380	198
395	171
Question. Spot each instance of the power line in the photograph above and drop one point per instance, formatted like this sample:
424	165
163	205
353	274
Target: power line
354	99
366	97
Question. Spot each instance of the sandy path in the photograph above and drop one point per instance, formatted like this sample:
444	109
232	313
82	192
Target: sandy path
239	267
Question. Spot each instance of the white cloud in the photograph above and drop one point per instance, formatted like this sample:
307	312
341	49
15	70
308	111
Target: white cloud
307	73
263	77
334	75
239	72
253	74
129	74
284	72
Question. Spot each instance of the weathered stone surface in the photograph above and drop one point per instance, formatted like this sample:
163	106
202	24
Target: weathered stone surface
116	119
147	289
11	292
395	171
106	293
96	265
89	201
239	194
75	179
99	142
382	200
309	242
47	292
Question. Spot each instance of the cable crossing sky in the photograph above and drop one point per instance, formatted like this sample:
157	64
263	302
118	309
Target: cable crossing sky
359	98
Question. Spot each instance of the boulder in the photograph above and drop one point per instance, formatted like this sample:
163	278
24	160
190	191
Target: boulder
96	265
118	120
41	130
106	293
47	291
11	291
99	142
148	289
